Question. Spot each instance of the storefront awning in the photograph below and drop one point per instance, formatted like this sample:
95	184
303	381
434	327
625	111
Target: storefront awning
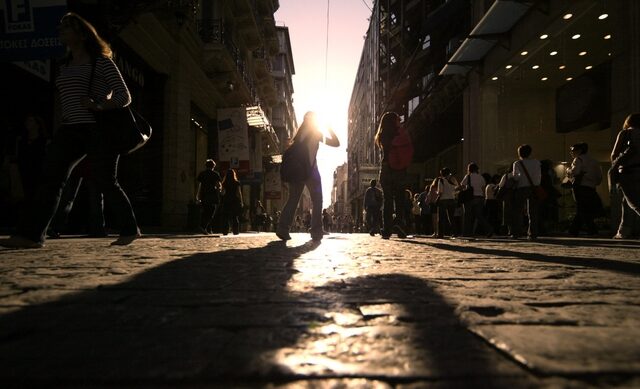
258	120
499	20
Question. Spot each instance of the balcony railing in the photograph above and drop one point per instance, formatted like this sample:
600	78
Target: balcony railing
213	31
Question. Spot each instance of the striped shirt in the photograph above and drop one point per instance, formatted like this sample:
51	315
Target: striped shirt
73	85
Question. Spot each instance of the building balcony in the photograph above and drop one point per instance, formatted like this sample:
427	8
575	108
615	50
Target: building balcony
224	64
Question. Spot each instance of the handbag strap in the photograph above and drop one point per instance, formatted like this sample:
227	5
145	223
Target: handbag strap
526	173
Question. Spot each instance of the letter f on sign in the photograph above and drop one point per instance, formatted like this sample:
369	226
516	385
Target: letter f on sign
18	9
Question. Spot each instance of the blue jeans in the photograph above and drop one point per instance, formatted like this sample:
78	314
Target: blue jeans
314	184
71	144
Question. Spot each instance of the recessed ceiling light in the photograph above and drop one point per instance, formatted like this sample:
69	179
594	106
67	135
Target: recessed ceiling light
524	53
508	66
535	67
608	36
561	67
569	78
588	67
553	53
582	53
603	16
544	78
494	78
544	36
576	36
567	16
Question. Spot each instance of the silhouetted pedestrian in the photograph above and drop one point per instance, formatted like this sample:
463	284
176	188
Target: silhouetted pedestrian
208	195
79	136
310	136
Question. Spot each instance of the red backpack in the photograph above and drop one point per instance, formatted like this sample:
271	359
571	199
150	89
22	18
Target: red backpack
401	153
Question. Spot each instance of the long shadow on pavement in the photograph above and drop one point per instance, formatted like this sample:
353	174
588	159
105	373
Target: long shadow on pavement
222	317
631	268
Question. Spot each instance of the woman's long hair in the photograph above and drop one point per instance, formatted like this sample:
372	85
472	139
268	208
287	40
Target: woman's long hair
309	125
632	121
387	129
96	46
231	176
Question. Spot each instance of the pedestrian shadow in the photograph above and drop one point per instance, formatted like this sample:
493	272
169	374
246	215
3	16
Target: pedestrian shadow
224	316
631	268
596	242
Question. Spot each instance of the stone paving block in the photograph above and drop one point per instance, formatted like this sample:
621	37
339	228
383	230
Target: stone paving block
353	311
561	350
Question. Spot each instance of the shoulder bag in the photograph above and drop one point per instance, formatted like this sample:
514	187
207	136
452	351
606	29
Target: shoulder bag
126	129
466	195
538	191
295	165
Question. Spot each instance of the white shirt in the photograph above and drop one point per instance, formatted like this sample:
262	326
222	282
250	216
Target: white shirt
446	190
476	181
533	168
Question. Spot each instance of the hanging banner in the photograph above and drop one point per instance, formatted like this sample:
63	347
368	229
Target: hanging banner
29	29
233	139
272	185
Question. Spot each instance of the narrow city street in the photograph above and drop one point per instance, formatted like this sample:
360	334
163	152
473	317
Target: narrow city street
351	311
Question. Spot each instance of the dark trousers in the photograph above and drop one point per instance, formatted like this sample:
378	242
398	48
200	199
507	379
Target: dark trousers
233	221
207	215
588	206
524	199
446	217
96	226
71	144
373	219
393	183
474	217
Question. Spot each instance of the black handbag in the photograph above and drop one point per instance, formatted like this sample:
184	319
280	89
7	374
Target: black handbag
295	165
466	195
125	128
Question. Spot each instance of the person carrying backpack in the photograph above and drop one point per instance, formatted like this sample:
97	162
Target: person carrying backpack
309	137
373	199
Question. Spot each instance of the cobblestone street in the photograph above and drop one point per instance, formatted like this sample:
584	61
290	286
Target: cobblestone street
352	311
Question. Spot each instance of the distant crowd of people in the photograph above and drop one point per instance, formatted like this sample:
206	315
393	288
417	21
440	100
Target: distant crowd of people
522	202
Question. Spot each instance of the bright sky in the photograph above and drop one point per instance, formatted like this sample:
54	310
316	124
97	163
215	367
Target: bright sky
307	22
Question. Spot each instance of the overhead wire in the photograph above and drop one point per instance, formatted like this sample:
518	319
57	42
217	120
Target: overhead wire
326	49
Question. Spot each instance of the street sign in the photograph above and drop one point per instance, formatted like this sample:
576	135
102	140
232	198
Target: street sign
28	29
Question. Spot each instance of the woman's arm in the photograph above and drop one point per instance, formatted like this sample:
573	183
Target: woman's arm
333	140
576	168
618	145
198	192
120	96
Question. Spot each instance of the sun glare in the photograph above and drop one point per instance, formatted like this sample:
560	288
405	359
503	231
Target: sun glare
329	113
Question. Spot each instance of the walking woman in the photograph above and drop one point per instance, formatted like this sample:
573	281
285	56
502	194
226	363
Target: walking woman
231	202
79	136
629	138
310	136
474	208
392	178
446	203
